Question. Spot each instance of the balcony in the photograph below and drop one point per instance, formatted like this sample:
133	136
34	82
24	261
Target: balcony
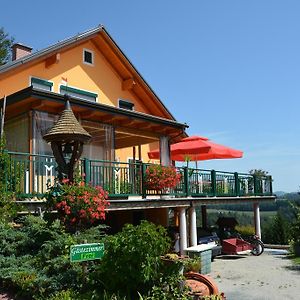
29	176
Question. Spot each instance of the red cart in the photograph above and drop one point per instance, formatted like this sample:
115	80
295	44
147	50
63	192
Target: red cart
240	246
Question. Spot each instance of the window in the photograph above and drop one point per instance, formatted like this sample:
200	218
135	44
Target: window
126	104
88	57
41	84
77	93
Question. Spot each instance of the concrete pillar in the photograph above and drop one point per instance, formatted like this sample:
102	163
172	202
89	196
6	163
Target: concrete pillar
204	216
182	230
193	226
164	150
257	219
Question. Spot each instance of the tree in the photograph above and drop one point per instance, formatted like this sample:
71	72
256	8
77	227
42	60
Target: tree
5	46
259	172
277	230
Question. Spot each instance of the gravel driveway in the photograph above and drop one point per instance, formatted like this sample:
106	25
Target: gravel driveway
270	276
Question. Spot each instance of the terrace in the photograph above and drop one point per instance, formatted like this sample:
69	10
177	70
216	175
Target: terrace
29	176
118	133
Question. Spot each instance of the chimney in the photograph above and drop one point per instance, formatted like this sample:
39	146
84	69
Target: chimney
19	51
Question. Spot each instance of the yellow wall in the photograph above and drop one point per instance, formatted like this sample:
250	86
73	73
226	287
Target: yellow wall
125	153
100	78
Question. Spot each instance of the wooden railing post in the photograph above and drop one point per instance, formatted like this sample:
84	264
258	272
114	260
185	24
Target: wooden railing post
213	183
186	181
87	171
236	184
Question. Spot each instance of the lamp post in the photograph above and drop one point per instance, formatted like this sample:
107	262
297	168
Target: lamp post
67	137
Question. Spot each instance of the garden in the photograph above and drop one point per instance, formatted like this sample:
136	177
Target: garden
35	250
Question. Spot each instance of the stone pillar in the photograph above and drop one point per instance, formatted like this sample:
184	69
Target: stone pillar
204	216
193	226
257	219
182	230
164	150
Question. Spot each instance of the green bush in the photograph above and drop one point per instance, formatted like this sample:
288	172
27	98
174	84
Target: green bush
169	288
34	259
245	230
8	207
132	259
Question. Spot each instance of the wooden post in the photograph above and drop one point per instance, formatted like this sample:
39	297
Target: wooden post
3	117
84	266
140	152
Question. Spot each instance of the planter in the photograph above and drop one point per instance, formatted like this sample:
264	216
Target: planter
174	263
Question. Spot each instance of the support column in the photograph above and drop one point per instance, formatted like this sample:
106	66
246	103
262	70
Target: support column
193	226
257	219
164	150
204	216
182	230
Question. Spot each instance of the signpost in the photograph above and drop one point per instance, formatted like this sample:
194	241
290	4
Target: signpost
86	252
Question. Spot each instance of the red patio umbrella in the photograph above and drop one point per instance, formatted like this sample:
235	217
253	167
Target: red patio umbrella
196	148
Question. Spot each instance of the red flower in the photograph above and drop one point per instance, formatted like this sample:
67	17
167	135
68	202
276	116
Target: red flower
161	177
79	204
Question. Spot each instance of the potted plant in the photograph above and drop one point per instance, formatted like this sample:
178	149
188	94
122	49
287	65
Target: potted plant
192	265
174	263
161	178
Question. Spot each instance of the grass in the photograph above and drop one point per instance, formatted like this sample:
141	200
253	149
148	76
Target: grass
296	260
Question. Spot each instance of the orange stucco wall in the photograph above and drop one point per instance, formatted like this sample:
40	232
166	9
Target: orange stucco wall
125	153
99	78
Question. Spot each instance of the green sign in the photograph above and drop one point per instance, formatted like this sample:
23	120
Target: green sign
86	252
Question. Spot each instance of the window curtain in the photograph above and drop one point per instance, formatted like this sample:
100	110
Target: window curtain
42	121
101	146
17	134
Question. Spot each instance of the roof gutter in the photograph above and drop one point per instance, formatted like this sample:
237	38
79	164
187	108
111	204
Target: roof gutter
45	95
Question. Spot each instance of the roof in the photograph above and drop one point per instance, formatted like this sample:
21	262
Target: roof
50	49
33	94
69	42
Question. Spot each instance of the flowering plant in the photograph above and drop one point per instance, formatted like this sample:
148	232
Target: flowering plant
78	205
159	177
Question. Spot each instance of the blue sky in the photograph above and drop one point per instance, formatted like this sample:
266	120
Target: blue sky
230	69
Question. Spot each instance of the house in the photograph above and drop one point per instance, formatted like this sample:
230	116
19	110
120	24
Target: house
125	118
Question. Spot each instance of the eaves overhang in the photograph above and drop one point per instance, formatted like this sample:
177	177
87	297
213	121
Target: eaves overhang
32	98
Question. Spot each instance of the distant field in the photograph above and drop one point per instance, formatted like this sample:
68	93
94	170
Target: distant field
243	217
247	213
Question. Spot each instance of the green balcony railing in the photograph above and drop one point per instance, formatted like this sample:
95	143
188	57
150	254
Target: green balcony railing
31	175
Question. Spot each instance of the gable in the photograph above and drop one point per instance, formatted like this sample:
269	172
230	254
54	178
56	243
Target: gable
112	77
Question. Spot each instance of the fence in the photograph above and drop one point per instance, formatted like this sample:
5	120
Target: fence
30	175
